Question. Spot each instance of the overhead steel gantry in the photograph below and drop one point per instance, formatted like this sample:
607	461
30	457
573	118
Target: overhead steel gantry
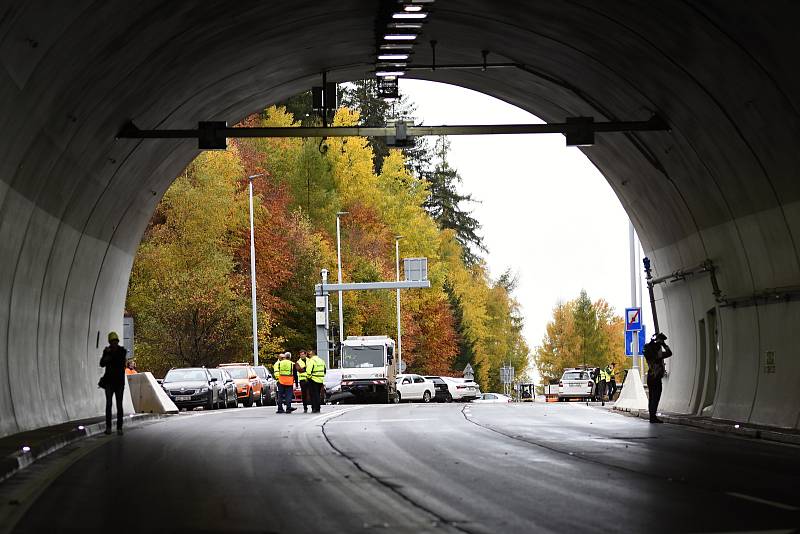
212	135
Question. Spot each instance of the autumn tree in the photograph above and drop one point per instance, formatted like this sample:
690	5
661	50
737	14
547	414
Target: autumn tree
196	254
185	286
581	332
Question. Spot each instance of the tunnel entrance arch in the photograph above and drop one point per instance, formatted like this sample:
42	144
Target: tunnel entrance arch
75	201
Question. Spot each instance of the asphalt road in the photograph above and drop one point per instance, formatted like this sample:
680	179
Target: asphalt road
410	468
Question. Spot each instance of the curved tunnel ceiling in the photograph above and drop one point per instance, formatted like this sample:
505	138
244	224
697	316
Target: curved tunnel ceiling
75	201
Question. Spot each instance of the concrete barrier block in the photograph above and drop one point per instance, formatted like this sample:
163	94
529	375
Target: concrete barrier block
148	396
633	396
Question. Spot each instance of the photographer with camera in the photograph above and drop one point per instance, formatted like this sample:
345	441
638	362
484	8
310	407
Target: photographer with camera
655	352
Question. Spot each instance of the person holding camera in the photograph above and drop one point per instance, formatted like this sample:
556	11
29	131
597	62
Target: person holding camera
655	352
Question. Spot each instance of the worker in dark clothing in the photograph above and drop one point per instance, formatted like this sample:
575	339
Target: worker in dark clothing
113	381
655	352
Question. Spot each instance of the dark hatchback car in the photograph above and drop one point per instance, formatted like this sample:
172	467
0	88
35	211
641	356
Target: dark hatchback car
269	387
442	391
192	387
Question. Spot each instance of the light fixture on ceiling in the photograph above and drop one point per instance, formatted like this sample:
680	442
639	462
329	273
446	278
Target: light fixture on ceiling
385	73
392	57
400	36
405	25
413	16
397	46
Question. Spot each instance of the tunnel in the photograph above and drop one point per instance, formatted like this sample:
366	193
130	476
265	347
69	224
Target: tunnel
720	185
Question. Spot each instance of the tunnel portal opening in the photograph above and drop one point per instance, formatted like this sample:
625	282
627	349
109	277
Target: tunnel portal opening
721	185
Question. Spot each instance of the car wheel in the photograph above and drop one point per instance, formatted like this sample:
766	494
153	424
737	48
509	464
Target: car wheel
397	398
426	397
248	401
448	398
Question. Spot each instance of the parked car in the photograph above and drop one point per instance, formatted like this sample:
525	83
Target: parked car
414	387
575	384
442	393
297	395
248	386
493	398
227	388
269	387
458	389
191	387
332	382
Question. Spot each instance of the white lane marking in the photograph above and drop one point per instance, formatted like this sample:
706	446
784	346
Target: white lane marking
379	420
762	501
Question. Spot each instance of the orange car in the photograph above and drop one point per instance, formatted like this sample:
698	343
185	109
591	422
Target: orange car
248	386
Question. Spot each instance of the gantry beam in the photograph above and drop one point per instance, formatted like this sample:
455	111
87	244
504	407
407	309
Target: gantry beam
579	131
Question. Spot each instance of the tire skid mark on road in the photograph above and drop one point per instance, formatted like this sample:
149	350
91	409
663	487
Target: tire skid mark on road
693	484
391	487
470	418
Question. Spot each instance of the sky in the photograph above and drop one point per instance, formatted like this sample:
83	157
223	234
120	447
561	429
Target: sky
546	212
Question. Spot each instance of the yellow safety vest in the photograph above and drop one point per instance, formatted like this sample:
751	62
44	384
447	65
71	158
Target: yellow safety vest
301	374
316	369
603	375
275	369
609	374
286	372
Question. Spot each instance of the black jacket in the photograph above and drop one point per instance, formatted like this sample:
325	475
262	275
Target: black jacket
114	360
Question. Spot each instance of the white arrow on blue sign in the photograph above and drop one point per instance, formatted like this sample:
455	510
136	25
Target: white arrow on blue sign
629	341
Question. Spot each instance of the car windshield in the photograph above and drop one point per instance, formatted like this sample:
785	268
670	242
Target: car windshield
261	372
368	356
185	375
576	375
237	372
216	373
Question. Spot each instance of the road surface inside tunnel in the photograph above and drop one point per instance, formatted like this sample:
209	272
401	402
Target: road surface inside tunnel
413	468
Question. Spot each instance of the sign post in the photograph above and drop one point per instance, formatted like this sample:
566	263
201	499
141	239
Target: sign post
507	378
634	334
469	373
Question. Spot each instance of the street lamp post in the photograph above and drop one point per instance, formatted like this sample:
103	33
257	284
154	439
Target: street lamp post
253	271
339	273
399	333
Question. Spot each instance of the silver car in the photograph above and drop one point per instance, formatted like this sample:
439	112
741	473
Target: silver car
227	388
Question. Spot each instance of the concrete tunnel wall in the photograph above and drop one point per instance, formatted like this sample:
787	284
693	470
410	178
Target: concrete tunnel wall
722	184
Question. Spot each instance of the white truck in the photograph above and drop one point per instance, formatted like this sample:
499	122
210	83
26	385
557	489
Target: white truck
369	369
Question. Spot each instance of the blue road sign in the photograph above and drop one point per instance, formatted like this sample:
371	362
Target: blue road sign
633	319
629	341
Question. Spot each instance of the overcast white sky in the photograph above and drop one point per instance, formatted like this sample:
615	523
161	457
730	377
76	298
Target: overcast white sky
547	212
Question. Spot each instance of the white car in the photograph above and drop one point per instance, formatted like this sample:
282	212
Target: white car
414	387
493	398
461	389
575	384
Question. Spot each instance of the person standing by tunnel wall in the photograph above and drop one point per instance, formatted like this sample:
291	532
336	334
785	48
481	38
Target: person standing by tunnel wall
655	352
113	380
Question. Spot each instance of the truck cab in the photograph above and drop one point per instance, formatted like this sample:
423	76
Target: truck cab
369	368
